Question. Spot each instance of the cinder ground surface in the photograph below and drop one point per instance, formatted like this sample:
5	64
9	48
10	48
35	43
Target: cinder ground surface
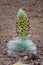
8	14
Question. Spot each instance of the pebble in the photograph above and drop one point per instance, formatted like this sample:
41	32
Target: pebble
25	57
19	63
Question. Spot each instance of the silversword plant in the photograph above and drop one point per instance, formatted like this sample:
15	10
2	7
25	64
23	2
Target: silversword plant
21	43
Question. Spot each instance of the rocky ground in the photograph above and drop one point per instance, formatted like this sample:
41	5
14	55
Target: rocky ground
8	15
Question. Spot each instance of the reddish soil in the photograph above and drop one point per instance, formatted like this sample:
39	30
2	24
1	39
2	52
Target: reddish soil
8	13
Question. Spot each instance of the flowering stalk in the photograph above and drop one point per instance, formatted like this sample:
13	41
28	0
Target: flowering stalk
22	25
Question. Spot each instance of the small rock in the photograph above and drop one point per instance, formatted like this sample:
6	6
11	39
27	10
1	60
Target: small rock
5	51
22	54
19	63
25	57
33	57
38	40
37	63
